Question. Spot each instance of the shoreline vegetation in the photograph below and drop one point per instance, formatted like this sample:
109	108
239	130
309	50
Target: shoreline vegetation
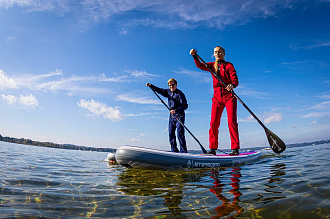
85	148
54	145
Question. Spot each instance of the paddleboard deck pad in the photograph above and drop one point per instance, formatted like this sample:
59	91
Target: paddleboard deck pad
146	158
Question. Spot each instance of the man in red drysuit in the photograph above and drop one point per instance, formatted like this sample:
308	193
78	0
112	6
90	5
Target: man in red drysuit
222	98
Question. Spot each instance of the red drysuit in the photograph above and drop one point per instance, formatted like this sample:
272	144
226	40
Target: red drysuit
221	99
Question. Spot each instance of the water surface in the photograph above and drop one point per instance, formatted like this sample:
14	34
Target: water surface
53	183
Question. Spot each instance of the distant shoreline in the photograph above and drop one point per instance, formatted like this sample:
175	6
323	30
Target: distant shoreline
53	145
112	150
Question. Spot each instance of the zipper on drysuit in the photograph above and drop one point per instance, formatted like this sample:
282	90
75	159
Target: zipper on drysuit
172	102
219	65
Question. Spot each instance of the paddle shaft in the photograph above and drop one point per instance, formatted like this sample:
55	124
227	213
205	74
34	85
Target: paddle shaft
203	149
275	142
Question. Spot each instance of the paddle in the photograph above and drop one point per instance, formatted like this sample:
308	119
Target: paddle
203	149
277	145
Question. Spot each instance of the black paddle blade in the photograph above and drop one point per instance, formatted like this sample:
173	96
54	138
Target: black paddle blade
277	145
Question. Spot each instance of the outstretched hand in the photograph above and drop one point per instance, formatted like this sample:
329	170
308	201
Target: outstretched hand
193	52
148	84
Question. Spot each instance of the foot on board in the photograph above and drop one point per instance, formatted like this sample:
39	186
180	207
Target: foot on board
212	152
235	152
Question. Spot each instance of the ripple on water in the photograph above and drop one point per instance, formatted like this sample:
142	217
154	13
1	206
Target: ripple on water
47	182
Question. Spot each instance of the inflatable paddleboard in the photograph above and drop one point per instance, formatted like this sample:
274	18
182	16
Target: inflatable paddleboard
146	158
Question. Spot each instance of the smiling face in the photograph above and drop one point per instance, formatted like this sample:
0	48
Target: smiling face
219	53
172	85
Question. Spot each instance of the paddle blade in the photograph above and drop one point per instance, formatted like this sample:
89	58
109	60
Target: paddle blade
277	145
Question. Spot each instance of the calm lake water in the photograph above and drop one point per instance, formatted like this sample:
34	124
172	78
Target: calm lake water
57	183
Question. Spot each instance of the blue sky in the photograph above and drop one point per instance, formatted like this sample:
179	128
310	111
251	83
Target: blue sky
75	71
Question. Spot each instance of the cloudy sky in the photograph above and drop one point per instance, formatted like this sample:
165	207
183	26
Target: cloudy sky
75	71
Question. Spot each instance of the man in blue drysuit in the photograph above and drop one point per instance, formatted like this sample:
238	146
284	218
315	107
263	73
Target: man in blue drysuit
177	103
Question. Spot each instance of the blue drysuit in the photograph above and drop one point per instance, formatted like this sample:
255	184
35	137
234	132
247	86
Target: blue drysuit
176	101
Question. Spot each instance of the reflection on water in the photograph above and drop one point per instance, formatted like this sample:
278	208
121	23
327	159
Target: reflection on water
148	182
172	187
277	173
169	185
227	206
272	186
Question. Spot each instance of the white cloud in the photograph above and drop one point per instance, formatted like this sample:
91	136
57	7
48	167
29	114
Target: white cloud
56	82
9	39
161	14
318	45
247	91
138	74
295	46
322	106
126	77
67	84
204	77
41	81
316	114
50	74
135	140
113	79
291	63
28	100
133	99
272	117
6	82
73	83
9	98
137	115
266	117
29	80
101	109
319	110
141	134
37	5
325	96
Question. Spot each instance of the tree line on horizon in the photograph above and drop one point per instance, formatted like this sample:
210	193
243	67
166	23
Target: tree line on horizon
53	145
